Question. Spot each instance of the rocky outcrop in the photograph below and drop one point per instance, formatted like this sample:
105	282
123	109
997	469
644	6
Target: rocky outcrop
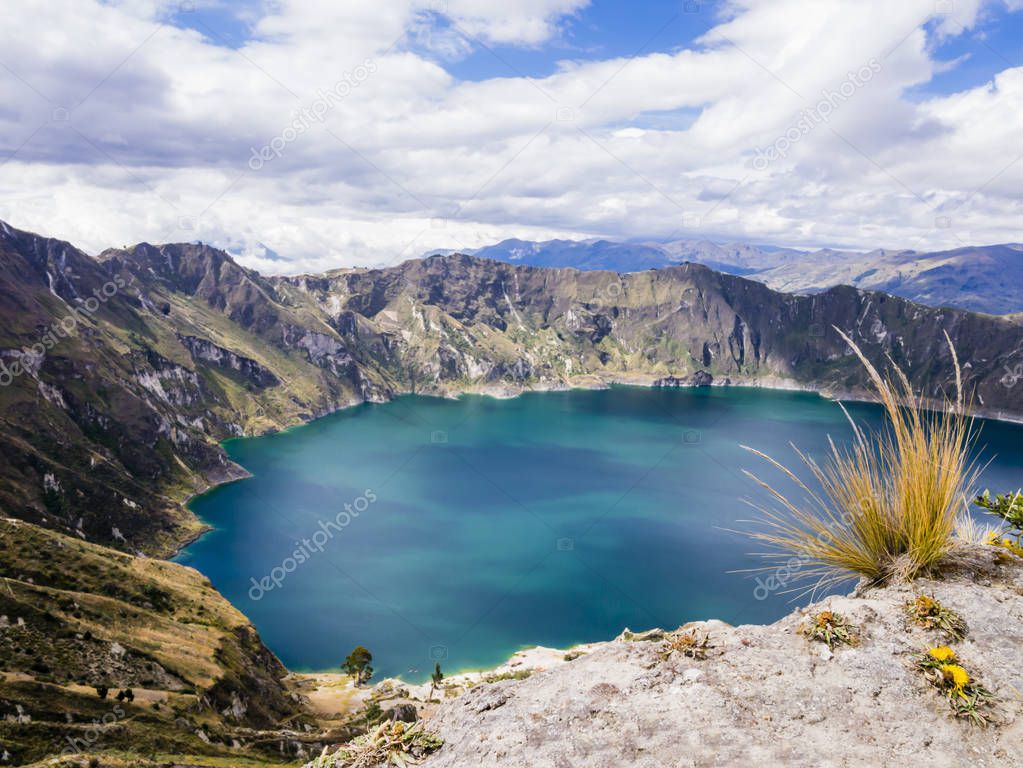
766	695
205	351
698	379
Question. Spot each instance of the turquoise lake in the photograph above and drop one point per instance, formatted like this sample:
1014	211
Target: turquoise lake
478	526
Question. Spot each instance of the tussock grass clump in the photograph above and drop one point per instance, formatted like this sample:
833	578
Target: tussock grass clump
831	629
887	505
969	530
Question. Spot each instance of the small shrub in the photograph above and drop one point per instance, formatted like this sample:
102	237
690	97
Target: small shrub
690	644
966	697
831	629
518	674
373	713
1008	508
930	614
435	679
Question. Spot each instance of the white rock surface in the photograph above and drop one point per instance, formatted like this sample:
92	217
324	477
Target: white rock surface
765	695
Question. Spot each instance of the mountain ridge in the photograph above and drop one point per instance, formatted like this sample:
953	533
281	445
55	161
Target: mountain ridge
110	428
976	278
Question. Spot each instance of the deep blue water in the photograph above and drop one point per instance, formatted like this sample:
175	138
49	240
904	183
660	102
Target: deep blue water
480	526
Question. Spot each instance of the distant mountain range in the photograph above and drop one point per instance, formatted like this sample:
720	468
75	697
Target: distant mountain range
979	278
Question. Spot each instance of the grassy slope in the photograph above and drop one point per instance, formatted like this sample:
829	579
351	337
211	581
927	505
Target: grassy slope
80	615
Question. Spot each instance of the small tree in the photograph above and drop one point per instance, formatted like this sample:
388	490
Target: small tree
436	677
357	664
102	691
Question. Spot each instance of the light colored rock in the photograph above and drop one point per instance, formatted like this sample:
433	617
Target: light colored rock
765	695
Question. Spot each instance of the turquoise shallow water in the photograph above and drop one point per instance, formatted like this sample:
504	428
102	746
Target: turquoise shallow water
479	526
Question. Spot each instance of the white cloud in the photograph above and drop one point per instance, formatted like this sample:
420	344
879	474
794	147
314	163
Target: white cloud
126	128
529	22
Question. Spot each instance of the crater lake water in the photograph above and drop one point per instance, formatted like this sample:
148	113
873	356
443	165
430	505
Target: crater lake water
478	526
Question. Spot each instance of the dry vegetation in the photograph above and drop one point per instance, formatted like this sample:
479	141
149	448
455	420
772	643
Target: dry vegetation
887	505
393	744
831	629
929	613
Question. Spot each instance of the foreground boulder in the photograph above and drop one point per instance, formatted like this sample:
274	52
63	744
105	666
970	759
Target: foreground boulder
768	695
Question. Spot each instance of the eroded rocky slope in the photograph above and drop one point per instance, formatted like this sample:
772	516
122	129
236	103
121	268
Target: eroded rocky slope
121	374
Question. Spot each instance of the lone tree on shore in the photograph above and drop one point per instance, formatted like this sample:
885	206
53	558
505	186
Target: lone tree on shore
436	677
357	664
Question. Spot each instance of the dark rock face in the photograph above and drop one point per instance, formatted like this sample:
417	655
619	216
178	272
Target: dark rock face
404	713
129	368
205	351
698	379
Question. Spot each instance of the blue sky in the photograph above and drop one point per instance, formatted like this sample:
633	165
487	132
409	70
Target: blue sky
603	30
608	29
227	22
996	44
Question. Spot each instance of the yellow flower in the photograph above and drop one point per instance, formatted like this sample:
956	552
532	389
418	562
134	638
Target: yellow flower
1005	543
925	605
942	653
956	675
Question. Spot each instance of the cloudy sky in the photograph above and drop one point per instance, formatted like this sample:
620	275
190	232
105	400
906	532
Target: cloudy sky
309	134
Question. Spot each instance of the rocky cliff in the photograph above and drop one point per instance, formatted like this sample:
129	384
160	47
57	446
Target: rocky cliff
122	373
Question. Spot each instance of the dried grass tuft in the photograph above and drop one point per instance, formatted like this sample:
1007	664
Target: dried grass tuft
889	504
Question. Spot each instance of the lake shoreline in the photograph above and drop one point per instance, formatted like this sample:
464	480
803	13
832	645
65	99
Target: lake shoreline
505	391
566	457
